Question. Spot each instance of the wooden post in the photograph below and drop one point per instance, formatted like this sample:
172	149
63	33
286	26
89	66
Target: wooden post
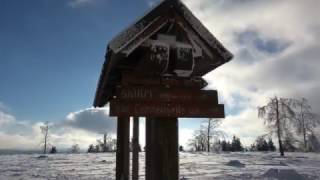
135	149
123	133
162	161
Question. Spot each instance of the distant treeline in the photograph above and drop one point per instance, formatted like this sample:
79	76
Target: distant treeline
108	144
290	120
235	145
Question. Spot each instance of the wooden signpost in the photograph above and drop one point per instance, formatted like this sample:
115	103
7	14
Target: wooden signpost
163	94
156	109
184	83
154	69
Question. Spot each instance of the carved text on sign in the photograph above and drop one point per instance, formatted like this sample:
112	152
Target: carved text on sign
138	79
136	93
122	109
162	94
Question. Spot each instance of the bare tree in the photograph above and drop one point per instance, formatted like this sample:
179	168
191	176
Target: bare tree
198	141
202	138
211	128
305	120
45	133
313	143
275	114
107	144
104	143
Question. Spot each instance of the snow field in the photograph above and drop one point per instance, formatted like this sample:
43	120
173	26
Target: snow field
195	166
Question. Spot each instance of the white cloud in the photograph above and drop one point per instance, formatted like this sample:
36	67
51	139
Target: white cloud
3	107
244	125
19	135
185	134
6	118
250	29
276	50
11	141
82	127
92	119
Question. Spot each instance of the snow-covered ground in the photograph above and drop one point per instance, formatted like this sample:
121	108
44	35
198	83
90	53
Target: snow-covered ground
196	166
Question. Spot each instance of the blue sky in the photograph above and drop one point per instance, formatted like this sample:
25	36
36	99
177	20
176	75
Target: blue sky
51	53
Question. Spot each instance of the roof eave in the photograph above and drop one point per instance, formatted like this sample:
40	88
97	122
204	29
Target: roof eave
103	79
112	50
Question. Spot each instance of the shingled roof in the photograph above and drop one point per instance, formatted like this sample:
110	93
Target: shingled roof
131	38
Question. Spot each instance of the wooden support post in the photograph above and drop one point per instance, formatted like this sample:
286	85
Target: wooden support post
135	149
123	133
162	158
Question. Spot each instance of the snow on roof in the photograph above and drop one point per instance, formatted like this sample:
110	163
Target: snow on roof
141	31
127	35
119	43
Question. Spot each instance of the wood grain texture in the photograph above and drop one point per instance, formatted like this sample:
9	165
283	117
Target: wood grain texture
162	159
122	157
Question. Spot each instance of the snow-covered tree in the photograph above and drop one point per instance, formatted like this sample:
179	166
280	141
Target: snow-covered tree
203	138
225	145
261	144
289	144
75	148
276	113
210	128
217	146
97	148
45	133
107	144
198	141
53	150
271	146
313	143
236	144
305	121
253	147
91	148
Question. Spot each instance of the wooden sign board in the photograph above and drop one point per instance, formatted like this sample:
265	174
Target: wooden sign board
162	94
138	79
158	109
